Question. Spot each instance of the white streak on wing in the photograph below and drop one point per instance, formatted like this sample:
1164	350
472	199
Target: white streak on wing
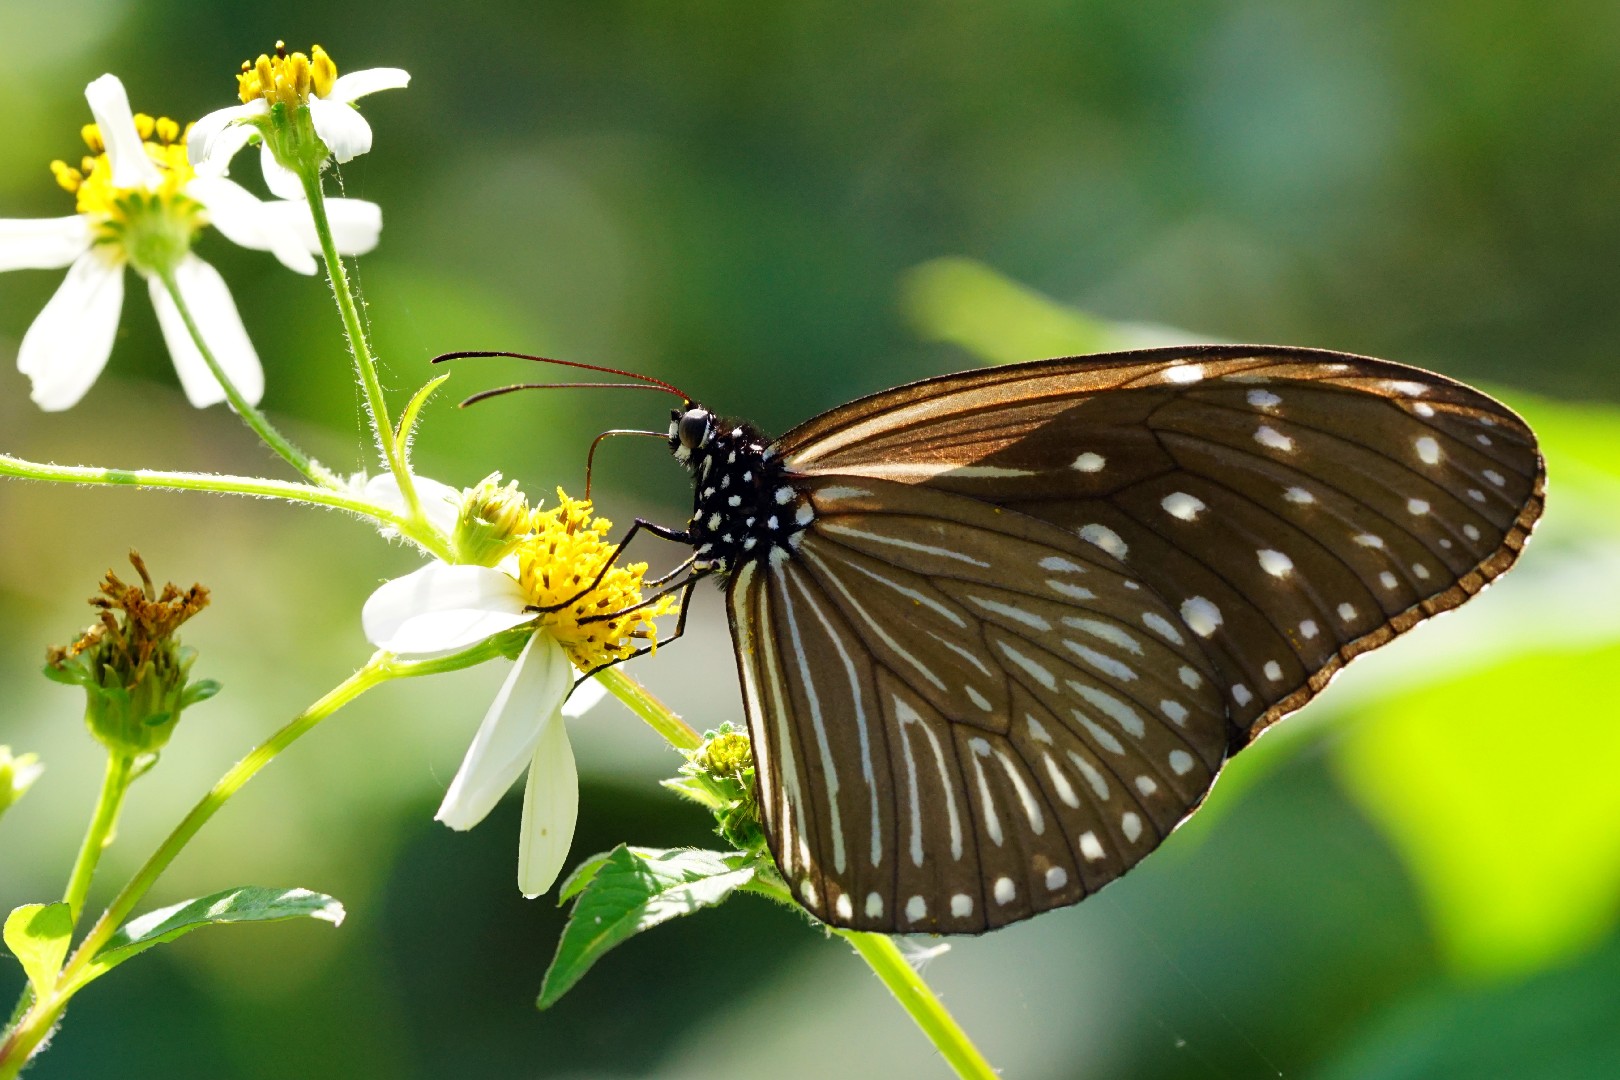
1035	670
1017	614
1032	809
840	492
1060	564
1073	592
1107	631
1065	789
909	545
1104	737
945	783
827	575
1116	709
792	805
933	468
1093	777
966	654
992	822
807	681
911	594
1101	661
907	715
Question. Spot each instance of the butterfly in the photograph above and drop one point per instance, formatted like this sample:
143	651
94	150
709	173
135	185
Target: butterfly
999	631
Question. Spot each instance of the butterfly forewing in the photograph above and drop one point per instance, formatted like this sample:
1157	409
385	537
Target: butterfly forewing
962	715
1293	508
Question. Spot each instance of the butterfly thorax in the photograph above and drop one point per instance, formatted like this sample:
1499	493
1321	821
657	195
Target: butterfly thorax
743	505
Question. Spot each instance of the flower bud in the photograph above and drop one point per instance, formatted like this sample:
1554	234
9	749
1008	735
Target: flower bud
134	670
720	776
494	519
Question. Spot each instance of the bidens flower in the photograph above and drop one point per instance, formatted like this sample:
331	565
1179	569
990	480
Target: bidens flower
141	203
544	583
278	93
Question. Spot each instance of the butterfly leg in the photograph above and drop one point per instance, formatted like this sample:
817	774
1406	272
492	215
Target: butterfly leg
685	588
663	532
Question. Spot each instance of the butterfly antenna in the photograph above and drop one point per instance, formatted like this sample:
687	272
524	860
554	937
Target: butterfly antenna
590	457
647	379
484	395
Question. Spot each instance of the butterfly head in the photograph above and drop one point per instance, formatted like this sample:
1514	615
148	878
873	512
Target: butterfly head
689	431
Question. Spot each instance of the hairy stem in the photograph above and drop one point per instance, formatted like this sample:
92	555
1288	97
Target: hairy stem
114	785
249	413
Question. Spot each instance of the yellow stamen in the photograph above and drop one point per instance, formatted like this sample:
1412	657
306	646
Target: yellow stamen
144	125
91	134
118	213
287	78
565	553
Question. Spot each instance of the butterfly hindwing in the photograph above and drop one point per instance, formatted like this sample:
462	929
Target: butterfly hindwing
963	716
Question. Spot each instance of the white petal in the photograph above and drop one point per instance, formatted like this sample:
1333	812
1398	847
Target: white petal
125	151
441	503
442	609
585	697
550	809
341	127
511	729
355	224
42	243
209	300
282	181
368	81
246	220
216	138
70	340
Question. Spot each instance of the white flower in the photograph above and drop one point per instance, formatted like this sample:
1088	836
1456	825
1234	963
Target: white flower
582	617
292	80
141	203
443	609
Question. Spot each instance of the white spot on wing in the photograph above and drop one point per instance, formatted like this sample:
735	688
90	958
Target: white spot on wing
1016	614
1299	495
1273	671
845	909
1347	612
1181	762
1132	826
1175	710
916	909
1056	878
1162	626
1417	507
1270	437
1115	709
1181	505
961	905
1307	629
1105	538
874	906
1241	694
1201	615
1428	450
1104	663
1090	848
1275	563
1184	373
1089	462
1190	678
1005	891
1263	399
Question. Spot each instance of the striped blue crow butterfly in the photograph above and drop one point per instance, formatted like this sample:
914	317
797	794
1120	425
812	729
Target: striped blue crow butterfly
998	631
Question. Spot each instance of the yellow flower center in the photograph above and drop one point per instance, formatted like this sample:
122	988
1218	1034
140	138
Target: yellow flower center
567	550
147	223
287	78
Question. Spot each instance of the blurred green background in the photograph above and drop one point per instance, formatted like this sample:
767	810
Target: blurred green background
781	206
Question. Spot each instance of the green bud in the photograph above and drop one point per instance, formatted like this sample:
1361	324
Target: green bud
494	519
133	669
290	135
719	775
17	774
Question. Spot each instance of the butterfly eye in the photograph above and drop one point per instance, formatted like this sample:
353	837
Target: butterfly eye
693	428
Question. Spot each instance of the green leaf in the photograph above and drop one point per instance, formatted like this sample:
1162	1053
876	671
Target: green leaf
581	877
248	903
631	890
1498	789
967	303
38	936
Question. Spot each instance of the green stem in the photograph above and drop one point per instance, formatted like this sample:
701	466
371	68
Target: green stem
245	409
365	365
114	785
918	999
416	530
880	952
660	717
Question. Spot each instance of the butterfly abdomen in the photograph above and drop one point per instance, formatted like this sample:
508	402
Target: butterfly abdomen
744	507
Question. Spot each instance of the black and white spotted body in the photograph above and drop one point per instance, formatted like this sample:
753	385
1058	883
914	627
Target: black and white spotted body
744	508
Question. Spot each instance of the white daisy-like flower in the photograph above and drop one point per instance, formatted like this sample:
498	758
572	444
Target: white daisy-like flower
443	609
292	80
140	203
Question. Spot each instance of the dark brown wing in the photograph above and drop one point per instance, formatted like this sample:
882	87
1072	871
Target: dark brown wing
963	716
1293	507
